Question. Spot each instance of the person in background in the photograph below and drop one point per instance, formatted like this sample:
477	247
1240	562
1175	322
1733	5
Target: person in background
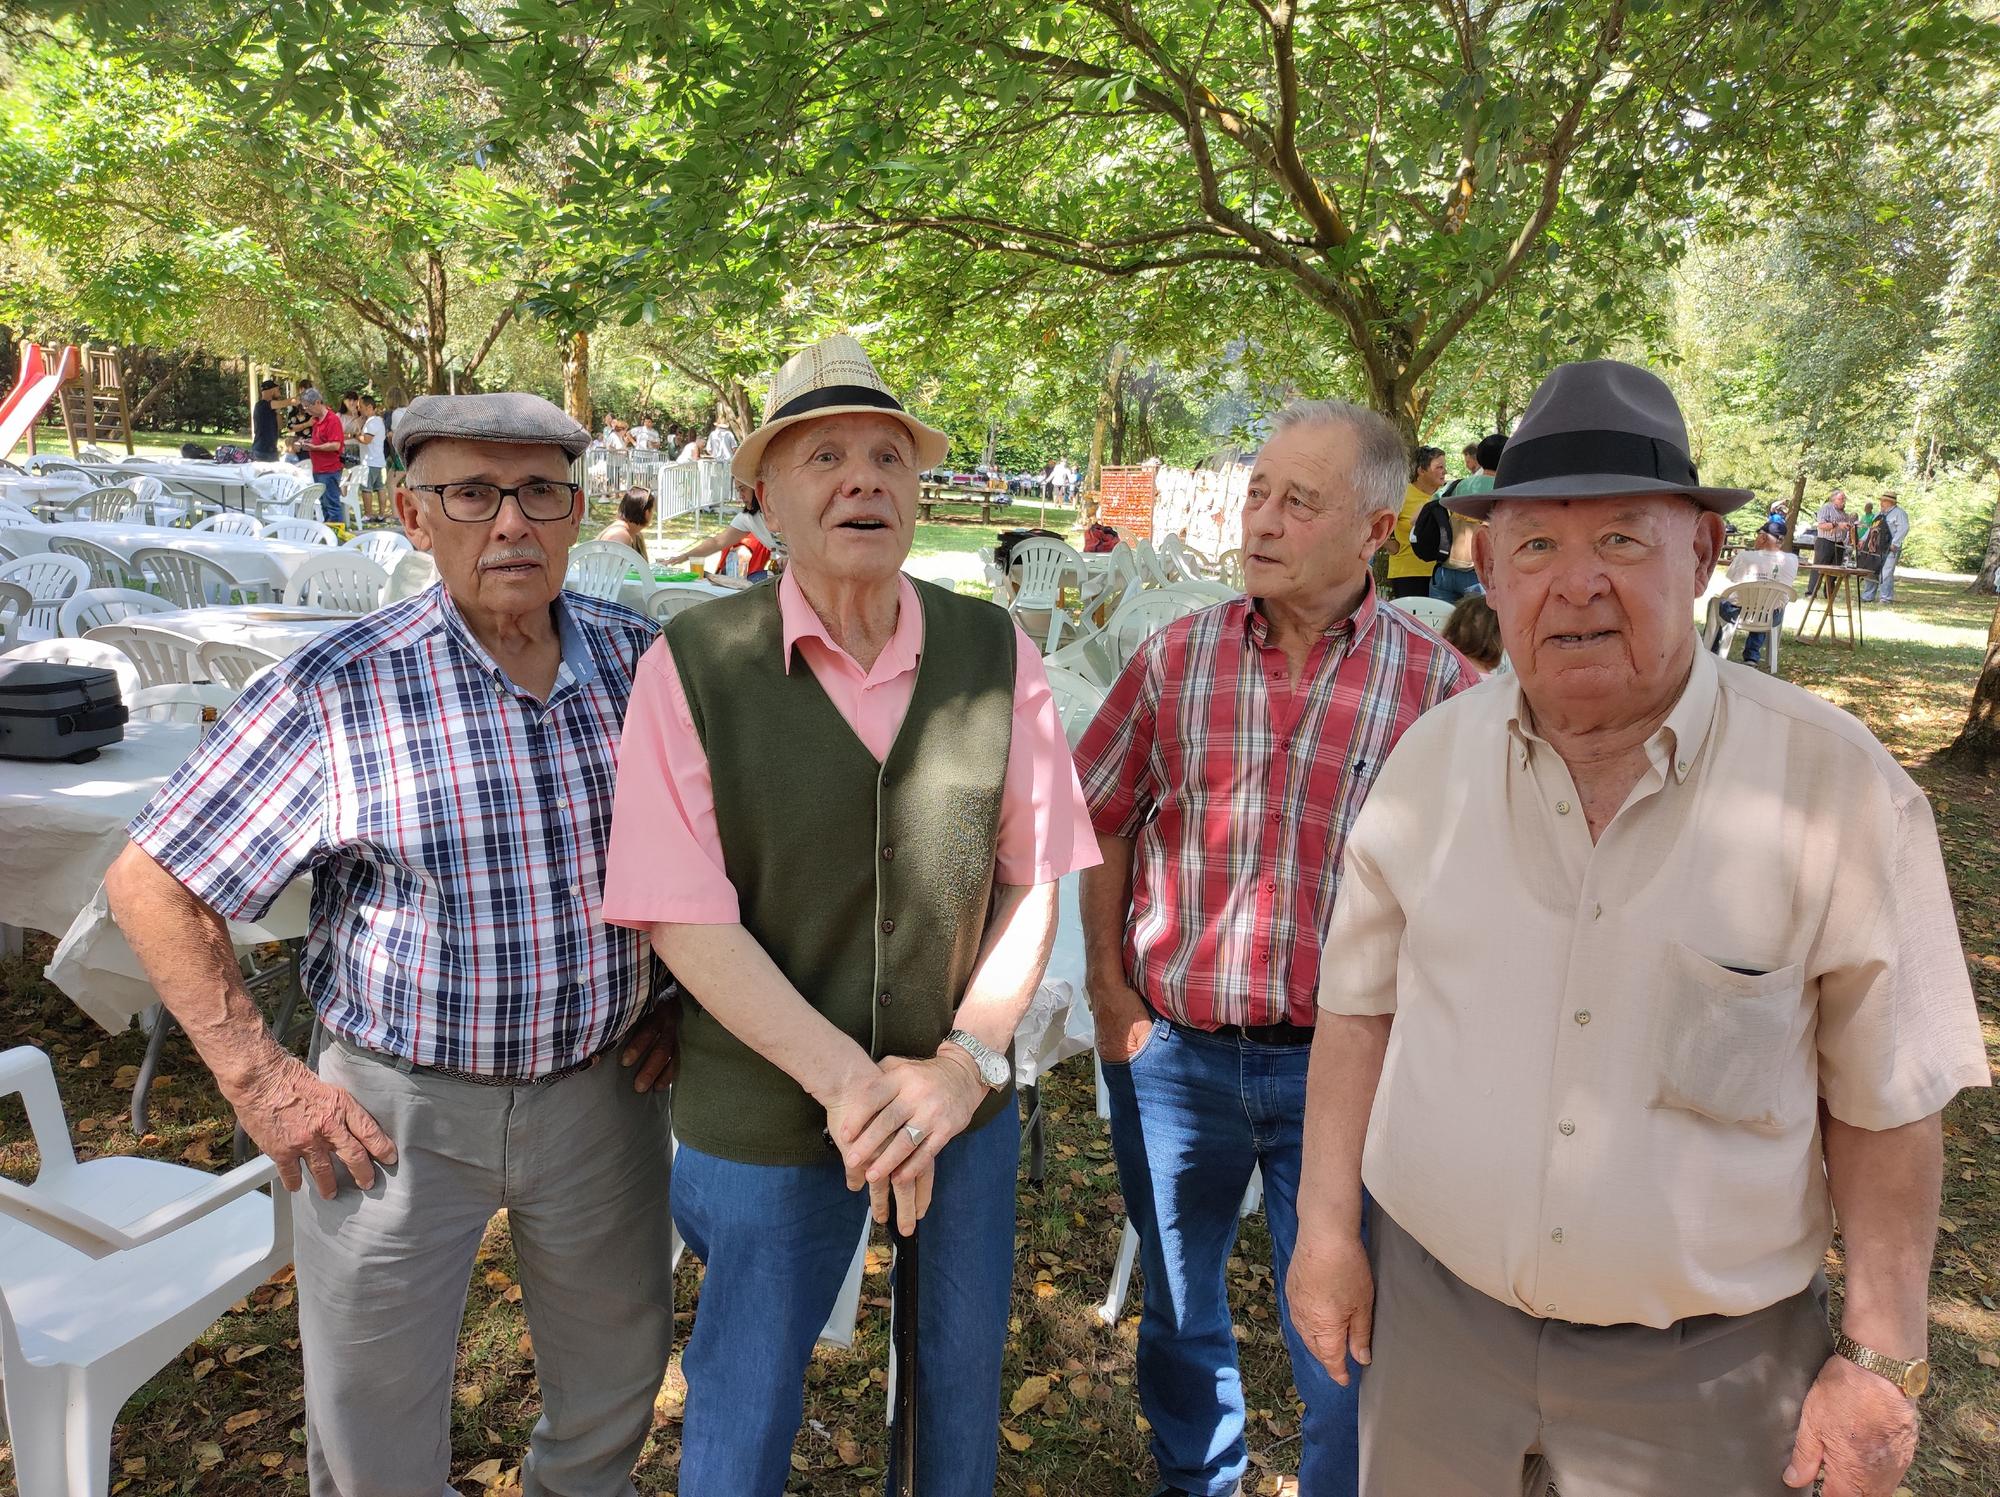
1832	528
1469	455
1861	526
1473	629
617	449
374	459
1614	1020
1223	770
1766	559
748	529
722	442
692	451
264	422
350	420
1455	577
645	436
1410	574
322	445
635	514
1895	524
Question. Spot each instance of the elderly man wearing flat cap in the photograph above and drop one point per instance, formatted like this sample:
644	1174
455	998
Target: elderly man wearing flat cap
1617	1101
443	768
843	803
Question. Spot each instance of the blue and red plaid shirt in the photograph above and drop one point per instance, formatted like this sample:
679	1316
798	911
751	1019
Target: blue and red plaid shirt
1239	791
455	828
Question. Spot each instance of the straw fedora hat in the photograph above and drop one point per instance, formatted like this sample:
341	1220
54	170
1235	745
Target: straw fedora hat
1599	430
832	377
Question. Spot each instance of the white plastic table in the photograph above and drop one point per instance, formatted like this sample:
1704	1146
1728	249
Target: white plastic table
247	558
237	485
277	627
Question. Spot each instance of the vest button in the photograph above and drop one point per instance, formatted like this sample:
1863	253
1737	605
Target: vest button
888	927
889	854
883	1000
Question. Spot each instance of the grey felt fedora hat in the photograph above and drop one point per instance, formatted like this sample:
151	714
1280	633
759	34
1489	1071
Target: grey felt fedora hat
1599	430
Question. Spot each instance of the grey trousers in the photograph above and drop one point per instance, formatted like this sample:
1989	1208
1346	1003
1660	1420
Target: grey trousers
580	1166
1467	1397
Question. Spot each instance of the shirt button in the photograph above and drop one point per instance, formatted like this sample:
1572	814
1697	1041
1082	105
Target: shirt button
883	1000
1583	1016
1548	1309
1562	808
888	927
1565	1127
1557	1235
576	891
1682	767
889	854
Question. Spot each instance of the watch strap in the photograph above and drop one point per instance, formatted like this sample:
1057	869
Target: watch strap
1897	1372
989	1062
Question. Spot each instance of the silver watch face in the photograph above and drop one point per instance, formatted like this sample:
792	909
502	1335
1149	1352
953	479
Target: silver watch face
991	1064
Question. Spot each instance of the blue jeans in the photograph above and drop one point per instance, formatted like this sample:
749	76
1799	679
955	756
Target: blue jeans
1753	644
1883	588
1449	584
1191	1114
329	495
776	1241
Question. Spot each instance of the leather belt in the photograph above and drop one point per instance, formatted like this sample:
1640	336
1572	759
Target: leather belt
1257	1034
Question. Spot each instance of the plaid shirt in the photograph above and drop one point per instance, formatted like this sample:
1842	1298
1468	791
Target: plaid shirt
1240	790
454	825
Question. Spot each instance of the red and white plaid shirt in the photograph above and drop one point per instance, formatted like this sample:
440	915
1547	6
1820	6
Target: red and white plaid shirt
1240	791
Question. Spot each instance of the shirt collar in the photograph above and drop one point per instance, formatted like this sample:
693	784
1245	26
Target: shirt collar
578	667
1359	623
1679	740
800	622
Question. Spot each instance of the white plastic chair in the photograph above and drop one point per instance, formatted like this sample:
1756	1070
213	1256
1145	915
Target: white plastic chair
1151	564
163	657
230	522
671	598
1038	568
179	701
98	606
1143	615
598	568
107	567
383	547
191	581
1077	700
1203	589
108	1269
300	532
232	664
1186	560
16	603
1433	611
413	572
12	513
343	580
1759	605
115	503
50	579
84	652
1229	569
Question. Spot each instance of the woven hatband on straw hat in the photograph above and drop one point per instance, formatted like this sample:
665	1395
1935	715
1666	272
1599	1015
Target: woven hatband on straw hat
1599	430
832	377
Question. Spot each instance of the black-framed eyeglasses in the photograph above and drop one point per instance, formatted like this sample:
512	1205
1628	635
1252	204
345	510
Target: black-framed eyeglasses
543	501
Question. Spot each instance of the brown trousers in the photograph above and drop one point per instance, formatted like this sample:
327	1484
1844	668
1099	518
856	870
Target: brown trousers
1468	1397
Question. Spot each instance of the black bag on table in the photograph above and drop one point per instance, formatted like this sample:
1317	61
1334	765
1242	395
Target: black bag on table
58	712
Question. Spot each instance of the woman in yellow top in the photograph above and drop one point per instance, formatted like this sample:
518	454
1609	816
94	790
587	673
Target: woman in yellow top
1410	574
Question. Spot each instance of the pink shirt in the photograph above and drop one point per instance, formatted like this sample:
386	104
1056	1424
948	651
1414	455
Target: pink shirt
665	861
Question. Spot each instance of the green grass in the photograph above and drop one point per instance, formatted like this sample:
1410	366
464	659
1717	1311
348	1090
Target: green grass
1080	1437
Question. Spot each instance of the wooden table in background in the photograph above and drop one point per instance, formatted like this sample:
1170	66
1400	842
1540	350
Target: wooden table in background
934	494
1838	587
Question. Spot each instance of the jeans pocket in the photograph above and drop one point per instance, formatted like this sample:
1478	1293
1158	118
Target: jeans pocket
1146	1047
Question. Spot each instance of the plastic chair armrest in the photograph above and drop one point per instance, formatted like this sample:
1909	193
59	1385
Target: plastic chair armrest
99	1239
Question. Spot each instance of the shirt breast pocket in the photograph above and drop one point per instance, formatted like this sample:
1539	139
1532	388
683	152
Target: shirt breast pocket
1722	1040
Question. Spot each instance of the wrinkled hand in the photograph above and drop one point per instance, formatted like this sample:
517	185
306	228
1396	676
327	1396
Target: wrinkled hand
938	1097
1122	1020
1330	1292
850	1111
295	1117
1857	1427
654	1046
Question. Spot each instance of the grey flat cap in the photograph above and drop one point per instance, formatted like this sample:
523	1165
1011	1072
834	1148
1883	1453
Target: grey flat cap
510	416
1599	430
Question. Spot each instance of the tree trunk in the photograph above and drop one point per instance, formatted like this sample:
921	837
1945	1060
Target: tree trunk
1093	473
736	408
160	387
1118	419
436	326
1988	580
1977	747
576	378
1798	492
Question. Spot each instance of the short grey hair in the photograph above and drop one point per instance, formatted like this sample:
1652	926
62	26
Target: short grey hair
1380	473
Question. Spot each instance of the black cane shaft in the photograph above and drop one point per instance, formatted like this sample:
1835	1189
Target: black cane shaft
903	1322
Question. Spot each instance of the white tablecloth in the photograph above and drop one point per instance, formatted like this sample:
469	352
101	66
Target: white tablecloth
239	485
278	628
247	558
61	825
33	489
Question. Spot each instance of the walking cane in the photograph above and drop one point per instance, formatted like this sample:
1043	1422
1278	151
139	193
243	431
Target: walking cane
903	1341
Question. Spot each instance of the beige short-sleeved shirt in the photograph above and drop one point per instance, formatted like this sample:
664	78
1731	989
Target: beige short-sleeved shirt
1600	1099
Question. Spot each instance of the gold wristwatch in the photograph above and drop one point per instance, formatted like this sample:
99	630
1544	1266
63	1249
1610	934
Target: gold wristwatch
1911	1377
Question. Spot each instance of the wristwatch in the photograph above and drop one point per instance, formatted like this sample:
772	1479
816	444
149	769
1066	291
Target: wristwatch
1911	1377
993	1067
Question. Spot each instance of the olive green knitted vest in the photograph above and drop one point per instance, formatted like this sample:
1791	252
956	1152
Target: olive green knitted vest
868	884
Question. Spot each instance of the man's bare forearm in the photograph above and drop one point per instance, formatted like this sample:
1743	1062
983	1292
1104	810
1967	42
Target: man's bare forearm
1886	1187
1013	955
735	979
184	947
1104	899
1346	1066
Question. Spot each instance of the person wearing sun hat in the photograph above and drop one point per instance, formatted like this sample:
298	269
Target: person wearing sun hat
1624	1092
843	803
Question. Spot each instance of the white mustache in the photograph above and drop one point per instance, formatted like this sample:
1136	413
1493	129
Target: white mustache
518	553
